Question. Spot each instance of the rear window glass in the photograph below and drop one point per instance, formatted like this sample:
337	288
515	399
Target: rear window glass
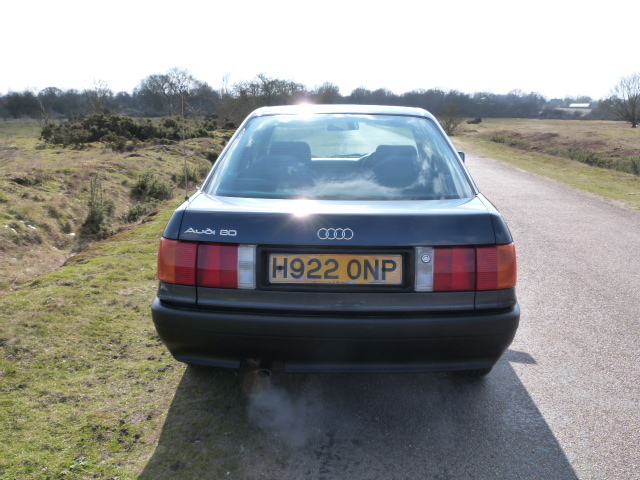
340	157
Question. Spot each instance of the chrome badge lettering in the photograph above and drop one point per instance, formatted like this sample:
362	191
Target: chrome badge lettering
206	231
209	231
335	234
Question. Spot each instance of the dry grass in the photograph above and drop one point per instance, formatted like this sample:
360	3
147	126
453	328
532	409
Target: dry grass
44	193
615	139
541	146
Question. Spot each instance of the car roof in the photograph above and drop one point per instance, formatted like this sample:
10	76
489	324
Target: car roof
341	109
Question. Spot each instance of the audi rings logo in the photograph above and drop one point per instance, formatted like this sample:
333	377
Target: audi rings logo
335	234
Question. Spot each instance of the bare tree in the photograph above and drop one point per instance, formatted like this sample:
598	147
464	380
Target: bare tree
624	100
264	91
229	105
154	93
450	118
44	111
327	93
181	87
176	92
99	97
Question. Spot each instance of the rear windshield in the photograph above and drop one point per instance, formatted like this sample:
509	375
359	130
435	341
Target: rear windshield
340	157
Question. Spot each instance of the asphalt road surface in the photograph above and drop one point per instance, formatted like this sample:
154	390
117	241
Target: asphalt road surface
563	403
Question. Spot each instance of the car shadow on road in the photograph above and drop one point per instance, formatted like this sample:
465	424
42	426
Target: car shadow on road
361	426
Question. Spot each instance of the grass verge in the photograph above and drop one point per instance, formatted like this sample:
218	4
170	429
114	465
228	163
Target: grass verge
622	188
85	381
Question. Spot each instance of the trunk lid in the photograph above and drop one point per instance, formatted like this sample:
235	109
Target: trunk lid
341	223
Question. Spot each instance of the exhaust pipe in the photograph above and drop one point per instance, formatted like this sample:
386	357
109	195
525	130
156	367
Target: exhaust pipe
257	381
263	373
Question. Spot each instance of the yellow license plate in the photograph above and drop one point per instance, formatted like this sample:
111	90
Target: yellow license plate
340	269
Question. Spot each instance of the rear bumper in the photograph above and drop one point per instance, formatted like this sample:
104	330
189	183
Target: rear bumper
337	341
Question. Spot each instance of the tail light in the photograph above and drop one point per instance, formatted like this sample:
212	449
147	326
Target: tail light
177	262
218	265
497	267
455	269
207	264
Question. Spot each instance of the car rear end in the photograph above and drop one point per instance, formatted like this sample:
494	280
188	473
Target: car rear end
331	258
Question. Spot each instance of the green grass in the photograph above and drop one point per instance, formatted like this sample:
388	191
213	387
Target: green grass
79	358
86	384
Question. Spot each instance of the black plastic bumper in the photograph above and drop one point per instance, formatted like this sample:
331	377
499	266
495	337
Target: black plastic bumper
336	343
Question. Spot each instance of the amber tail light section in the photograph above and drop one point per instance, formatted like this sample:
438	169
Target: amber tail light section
177	262
497	267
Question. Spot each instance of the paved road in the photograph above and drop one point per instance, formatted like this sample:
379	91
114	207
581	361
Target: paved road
563	403
580	293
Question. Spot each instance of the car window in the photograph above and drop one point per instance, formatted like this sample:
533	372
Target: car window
327	156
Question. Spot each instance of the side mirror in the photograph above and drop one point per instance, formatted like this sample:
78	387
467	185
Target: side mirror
462	156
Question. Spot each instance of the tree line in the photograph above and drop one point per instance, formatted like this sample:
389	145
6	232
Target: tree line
177	92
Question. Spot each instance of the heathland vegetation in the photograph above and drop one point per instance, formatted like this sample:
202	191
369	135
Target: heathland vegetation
56	201
601	157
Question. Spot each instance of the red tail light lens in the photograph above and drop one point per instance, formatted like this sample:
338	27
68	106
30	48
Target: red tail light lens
207	264
454	269
218	266
487	268
474	268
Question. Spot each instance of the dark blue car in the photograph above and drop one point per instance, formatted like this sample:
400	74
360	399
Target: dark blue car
338	238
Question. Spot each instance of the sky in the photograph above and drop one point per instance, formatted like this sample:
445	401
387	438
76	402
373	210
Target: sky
555	48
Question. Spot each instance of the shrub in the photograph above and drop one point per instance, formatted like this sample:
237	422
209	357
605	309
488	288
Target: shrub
53	212
147	186
98	221
450	118
116	142
512	142
210	122
66	227
121	133
177	128
139	210
474	121
212	156
193	176
73	135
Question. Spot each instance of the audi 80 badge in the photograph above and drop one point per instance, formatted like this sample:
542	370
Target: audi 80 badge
338	238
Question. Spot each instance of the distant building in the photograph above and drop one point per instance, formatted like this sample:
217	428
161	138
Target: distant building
579	105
